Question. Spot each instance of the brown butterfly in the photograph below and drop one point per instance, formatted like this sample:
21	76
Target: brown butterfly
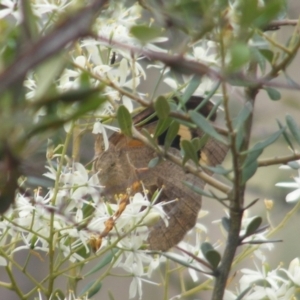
121	163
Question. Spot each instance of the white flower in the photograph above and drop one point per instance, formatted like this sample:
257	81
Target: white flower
294	271
100	128
206	52
293	196
47	7
204	87
12	8
265	284
70	79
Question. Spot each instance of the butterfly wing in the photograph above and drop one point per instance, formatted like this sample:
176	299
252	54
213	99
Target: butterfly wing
127	160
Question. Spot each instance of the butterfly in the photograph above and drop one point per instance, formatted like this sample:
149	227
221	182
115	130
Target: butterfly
120	167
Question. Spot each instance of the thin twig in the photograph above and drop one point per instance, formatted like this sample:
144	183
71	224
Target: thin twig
278	160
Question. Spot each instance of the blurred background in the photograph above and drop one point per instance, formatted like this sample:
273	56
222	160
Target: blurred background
262	184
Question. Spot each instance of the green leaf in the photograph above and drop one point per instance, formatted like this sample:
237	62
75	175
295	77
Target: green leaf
52	121
217	170
144	33
91	288
198	190
226	223
262	145
171	134
259	58
239	56
154	162
199	143
172	257
104	261
124	120
162	107
253	226
46	73
205	247
191	88
213	257
251	14
273	94
85	79
248	12
203	124
189	152
149	137
29	21
285	135
268	54
270	11
243	115
214	109
252	157
293	127
88	209
161	126
239	138
249	171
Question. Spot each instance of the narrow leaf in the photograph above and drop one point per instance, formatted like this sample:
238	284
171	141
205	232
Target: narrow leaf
217	170
162	107
198	190
240	55
251	157
154	162
213	257
205	247
104	261
285	135
199	143
174	257
149	137
243	115
293	127
171	134
259	58
270	140
226	223
145	33
189	152
253	226
124	120
268	54
161	126
91	289
203	124
191	88
249	171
